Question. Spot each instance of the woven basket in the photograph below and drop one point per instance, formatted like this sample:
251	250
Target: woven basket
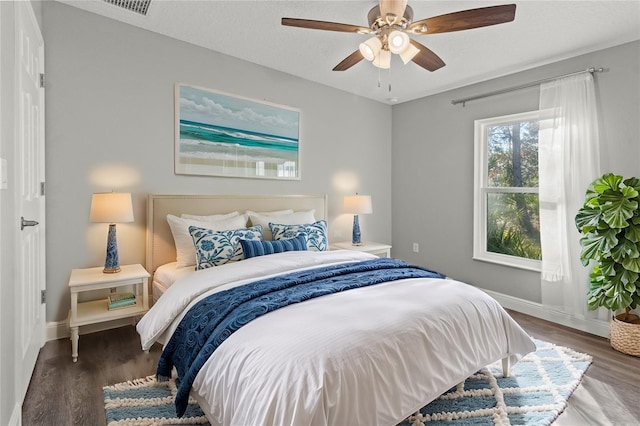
625	337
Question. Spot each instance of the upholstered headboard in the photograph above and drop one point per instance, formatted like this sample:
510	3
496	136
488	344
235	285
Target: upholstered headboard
160	246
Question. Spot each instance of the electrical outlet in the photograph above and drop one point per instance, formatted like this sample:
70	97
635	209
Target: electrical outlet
416	247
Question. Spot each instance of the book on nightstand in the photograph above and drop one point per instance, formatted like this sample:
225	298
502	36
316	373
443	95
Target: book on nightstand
122	304
122	300
121	296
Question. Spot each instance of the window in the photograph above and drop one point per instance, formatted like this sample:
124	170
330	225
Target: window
506	207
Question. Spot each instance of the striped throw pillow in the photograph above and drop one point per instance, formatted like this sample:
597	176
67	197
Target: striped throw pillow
261	248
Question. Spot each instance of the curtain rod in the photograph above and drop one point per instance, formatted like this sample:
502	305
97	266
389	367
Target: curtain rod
522	86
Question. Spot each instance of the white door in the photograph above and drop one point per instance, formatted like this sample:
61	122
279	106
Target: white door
30	204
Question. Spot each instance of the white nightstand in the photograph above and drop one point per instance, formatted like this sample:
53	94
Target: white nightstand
97	311
381	250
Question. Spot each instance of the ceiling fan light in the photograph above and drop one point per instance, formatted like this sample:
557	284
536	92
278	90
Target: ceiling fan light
370	48
383	60
407	54
398	41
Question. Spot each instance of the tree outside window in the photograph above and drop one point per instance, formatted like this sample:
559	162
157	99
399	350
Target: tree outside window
506	211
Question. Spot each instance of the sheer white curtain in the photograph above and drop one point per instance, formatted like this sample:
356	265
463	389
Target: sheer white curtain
569	160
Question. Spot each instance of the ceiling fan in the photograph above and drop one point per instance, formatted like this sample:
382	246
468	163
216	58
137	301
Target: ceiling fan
391	23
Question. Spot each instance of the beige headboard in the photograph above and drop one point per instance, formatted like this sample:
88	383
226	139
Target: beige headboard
160	247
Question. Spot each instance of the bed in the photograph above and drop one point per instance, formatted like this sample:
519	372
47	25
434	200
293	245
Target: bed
372	354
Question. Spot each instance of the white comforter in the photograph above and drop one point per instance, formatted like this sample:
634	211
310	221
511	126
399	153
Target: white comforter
371	355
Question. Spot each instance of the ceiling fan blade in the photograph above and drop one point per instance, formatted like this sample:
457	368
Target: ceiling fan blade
465	20
395	7
349	61
323	25
426	58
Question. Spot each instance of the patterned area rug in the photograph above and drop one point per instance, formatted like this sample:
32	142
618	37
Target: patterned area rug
146	402
535	394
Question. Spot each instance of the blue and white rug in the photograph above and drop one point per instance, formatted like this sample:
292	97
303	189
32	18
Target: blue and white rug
535	394
147	402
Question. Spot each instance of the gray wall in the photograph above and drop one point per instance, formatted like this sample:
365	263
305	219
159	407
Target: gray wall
433	162
110	124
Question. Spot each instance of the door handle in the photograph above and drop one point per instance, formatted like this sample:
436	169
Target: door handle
24	223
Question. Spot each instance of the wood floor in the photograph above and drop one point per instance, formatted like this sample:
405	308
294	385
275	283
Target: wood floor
65	393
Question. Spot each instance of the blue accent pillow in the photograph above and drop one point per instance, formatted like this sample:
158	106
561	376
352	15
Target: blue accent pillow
214	248
261	248
315	233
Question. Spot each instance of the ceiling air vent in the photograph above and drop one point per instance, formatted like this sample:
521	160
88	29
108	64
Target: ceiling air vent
137	6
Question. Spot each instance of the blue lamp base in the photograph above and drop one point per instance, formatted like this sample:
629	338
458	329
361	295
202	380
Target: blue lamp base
112	264
355	234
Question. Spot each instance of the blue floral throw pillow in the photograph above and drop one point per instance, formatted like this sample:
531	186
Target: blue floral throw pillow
214	248
261	248
315	233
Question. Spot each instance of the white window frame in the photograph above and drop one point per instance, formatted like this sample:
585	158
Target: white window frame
481	189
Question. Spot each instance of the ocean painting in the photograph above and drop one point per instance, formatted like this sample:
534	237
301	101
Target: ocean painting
223	135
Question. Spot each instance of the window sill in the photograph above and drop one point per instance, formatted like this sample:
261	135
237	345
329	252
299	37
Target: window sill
526	264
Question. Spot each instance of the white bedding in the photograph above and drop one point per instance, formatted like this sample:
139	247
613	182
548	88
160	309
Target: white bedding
371	355
166	275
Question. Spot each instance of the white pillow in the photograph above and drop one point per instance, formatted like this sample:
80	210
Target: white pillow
210	218
295	218
265	231
185	250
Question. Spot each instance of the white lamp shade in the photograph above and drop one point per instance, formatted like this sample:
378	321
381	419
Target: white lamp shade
383	60
358	204
111	207
407	54
398	41
370	48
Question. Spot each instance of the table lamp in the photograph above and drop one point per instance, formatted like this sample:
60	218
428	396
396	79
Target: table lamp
356	205
111	207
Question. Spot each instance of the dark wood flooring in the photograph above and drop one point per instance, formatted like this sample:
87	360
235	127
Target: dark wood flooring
65	393
62	392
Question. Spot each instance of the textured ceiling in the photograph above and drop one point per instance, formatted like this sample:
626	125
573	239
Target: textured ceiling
542	32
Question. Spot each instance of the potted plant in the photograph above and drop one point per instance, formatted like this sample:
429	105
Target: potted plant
610	224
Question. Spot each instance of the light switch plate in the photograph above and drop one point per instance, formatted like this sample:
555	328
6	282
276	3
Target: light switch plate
3	174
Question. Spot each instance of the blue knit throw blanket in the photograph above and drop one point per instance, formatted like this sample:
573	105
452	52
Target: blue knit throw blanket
210	321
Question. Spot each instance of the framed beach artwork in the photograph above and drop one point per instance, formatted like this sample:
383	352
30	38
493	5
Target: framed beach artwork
218	134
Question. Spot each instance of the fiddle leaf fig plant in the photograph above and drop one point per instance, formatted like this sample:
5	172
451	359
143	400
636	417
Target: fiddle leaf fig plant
609	222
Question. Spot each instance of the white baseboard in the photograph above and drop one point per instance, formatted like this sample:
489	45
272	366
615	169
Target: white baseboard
593	326
60	329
